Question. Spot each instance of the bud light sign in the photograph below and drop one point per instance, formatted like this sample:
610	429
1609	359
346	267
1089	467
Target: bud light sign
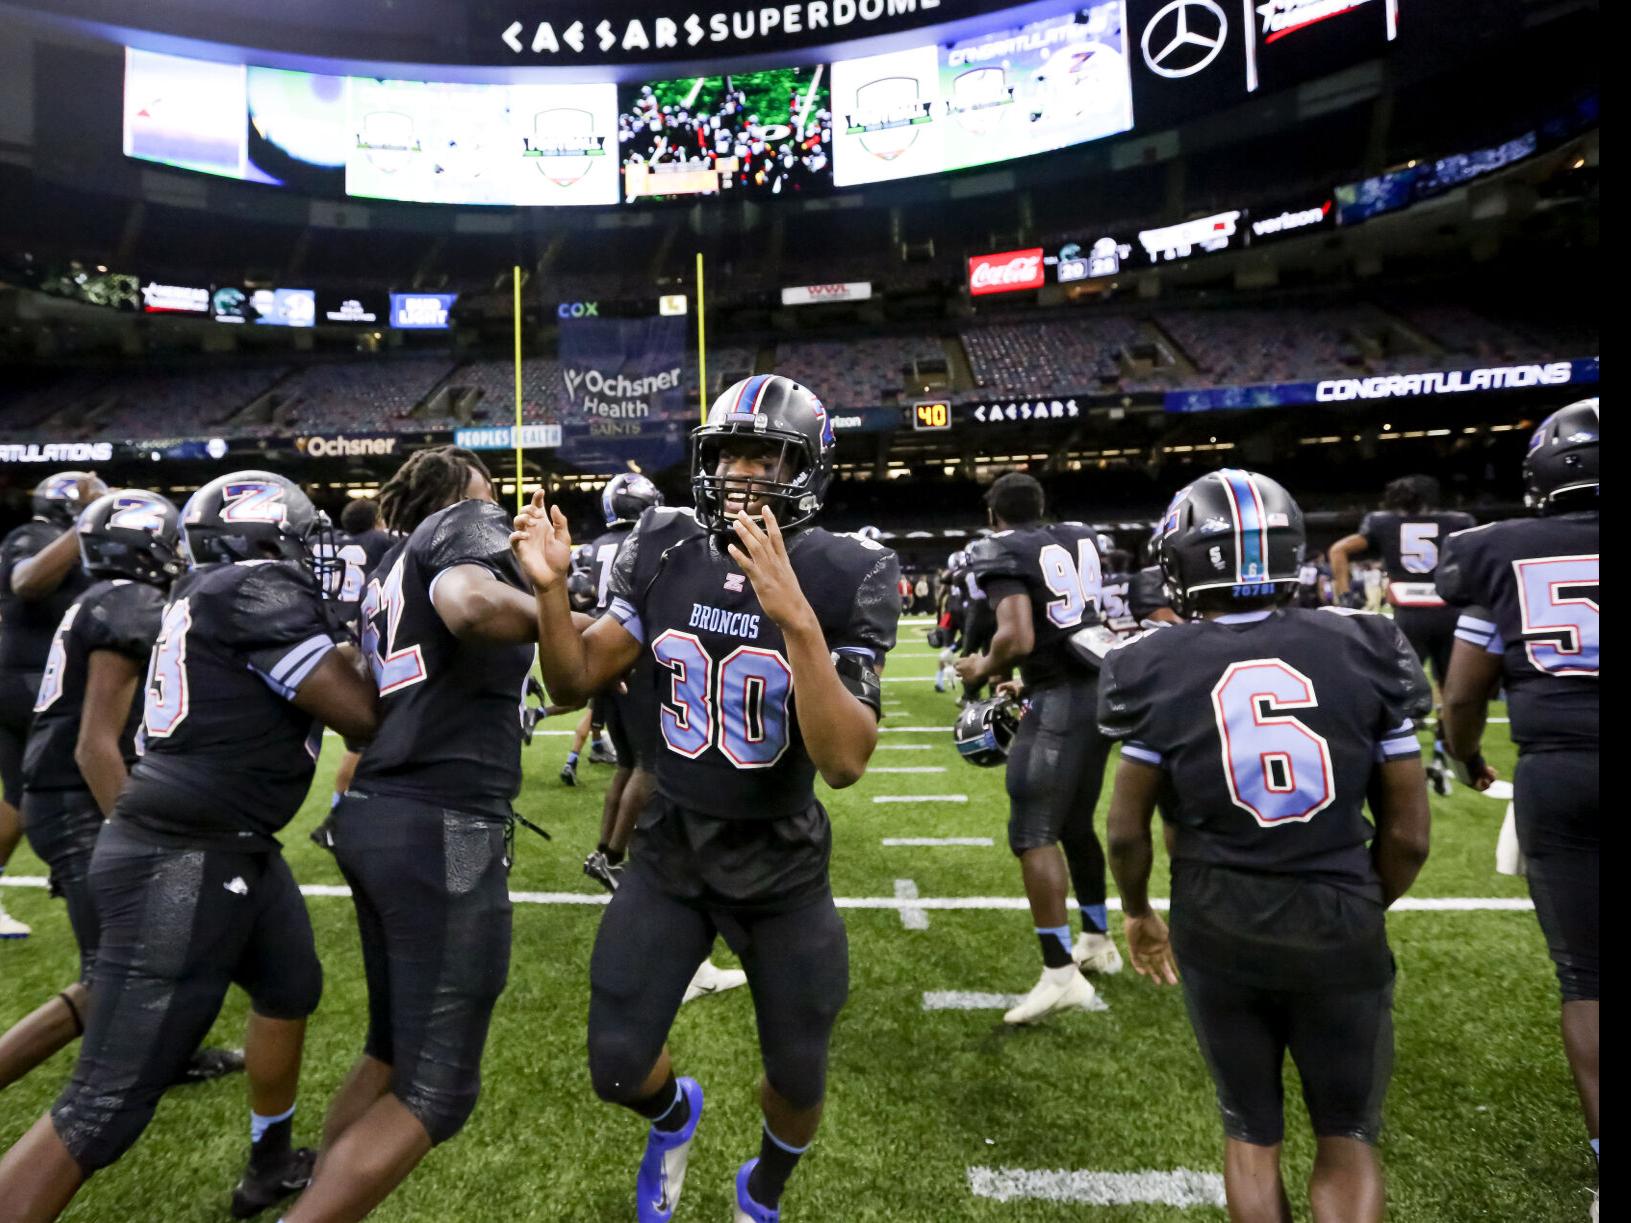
1009	272
421	311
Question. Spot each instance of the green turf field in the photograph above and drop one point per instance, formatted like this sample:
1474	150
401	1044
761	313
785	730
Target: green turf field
1482	1118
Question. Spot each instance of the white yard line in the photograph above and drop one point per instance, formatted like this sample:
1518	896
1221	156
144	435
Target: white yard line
920	798
966	1000
1181	1187
911	917
1410	904
908	730
905	747
932	842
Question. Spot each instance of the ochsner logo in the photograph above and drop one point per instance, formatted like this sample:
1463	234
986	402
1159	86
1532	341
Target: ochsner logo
345	447
1008	272
613	395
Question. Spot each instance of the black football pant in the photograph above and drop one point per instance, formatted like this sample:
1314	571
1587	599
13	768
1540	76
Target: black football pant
18	690
1055	771
1556	795
1431	633
61	826
178	927
431	887
646	951
1341	1042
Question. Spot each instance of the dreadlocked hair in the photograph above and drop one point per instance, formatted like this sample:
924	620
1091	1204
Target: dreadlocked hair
430	480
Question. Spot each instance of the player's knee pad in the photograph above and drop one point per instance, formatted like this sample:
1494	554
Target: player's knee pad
442	1109
98	1129
619	1063
292	992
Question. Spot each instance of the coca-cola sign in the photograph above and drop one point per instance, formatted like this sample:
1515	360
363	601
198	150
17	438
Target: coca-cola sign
1009	272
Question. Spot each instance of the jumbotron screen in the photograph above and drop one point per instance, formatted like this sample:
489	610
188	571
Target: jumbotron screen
1009	91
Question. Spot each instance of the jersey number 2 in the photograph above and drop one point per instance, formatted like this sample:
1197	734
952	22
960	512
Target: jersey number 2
1278	770
741	703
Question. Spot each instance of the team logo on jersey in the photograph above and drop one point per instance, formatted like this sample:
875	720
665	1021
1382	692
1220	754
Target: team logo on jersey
736	583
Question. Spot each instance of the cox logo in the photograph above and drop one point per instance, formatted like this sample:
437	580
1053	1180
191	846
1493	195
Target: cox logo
578	310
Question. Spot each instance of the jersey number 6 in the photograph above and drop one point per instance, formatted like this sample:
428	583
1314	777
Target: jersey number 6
1278	770
742	702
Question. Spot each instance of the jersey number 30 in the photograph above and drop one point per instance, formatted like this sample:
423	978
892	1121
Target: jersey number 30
1278	770
740	704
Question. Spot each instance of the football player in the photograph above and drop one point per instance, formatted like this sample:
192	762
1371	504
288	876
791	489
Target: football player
631	721
360	522
1407	533
978	623
187	876
423	834
1118	581
1528	590
1043	583
1261	729
39	577
83	742
765	636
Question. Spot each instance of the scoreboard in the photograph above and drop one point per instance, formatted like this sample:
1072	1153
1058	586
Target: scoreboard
931	414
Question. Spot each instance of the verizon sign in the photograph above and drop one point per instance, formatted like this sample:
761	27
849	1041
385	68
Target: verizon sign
850	291
1009	272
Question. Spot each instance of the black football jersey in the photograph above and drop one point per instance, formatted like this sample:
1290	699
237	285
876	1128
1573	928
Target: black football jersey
1409	545
228	758
26	628
1528	590
602	553
1116	607
1266	727
1147	593
1058	566
117	615
729	743
374	544
450	710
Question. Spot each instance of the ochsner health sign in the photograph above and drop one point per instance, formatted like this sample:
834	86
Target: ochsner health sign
1009	272
850	291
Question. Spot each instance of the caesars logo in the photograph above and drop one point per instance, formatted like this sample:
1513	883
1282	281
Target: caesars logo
615	396
738	27
342	447
58	452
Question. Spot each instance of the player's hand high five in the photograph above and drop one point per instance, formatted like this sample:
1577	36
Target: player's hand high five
542	543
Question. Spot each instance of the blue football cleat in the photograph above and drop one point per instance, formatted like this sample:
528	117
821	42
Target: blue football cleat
747	1210
662	1168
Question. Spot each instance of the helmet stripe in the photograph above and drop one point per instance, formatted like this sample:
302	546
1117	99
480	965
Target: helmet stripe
1251	525
747	399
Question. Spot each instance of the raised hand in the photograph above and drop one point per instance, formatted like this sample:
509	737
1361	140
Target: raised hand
542	543
762	553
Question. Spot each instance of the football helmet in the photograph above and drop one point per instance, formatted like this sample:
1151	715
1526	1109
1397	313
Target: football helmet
56	498
1234	531
131	534
627	496
252	515
781	413
1562	456
985	729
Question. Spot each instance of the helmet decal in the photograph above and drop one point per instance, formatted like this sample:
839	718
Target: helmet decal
137	512
253	501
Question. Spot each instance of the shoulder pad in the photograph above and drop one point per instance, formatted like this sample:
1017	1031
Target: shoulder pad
994	557
1456	575
469	532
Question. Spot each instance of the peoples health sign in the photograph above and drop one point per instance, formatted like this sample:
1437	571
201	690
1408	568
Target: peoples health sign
533	437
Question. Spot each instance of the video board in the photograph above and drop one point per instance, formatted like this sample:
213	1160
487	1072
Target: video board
749	133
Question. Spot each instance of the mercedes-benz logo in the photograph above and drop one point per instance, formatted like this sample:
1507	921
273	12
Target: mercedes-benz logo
1191	33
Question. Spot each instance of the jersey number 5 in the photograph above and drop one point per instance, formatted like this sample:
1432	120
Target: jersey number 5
1557	598
742	703
1278	770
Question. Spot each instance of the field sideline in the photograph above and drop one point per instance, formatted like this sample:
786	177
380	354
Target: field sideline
925	1106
